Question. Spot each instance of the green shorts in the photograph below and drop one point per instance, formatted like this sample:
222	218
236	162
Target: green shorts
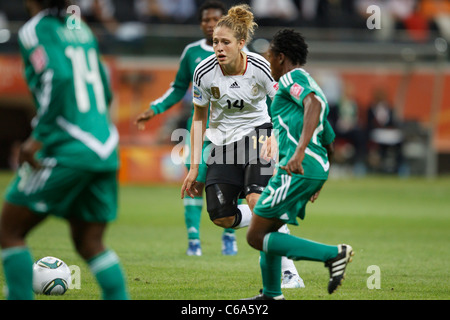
285	197
66	192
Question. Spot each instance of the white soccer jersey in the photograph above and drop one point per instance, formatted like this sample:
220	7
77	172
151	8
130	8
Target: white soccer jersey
238	103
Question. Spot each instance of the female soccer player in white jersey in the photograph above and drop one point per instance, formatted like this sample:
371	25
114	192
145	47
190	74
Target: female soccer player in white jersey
209	14
233	86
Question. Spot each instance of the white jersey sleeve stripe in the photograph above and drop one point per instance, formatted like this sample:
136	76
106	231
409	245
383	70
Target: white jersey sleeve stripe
27	34
261	67
204	68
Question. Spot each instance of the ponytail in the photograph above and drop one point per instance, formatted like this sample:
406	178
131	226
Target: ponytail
241	21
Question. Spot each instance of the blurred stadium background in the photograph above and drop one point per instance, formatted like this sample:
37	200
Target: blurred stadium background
388	87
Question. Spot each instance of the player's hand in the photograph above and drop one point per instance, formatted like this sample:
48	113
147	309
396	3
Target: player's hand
294	164
315	196
27	152
143	118
189	184
269	149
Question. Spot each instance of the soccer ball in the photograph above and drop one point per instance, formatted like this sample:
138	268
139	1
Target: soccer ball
51	276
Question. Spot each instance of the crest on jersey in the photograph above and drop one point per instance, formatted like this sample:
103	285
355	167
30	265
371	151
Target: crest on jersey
255	90
296	90
39	59
215	92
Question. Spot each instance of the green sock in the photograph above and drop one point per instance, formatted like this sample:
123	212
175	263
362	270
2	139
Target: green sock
18	269
108	272
229	230
192	215
297	248
271	274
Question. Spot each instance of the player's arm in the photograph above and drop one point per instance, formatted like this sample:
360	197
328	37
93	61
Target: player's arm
198	129
171	97
328	140
328	143
28	150
105	80
311	118
41	63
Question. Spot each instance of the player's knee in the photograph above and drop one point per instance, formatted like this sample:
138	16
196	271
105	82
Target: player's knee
226	222
222	215
252	199
255	240
87	248
221	204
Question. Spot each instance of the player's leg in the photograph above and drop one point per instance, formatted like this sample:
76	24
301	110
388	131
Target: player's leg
257	177
15	223
103	263
25	197
192	216
286	209
89	215
224	183
270	264
221	201
290	278
193	206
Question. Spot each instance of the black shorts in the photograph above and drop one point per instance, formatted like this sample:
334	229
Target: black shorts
239	163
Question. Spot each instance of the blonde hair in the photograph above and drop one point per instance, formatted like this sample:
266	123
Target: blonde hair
241	21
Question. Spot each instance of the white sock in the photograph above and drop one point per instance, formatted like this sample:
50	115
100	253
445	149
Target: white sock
246	216
284	229
288	265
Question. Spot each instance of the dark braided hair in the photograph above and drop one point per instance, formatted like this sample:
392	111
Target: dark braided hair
211	4
57	8
291	44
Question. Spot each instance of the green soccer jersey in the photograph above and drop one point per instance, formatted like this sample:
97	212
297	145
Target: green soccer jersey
192	55
71	93
287	112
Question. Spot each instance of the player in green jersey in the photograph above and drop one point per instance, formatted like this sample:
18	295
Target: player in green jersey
209	14
69	163
299	111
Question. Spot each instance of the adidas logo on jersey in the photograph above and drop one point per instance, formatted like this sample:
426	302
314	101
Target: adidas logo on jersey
235	85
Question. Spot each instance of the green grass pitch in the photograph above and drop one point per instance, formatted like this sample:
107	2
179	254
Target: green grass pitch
399	229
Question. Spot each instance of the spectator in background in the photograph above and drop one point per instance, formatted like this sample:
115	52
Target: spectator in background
384	135
274	12
387	20
166	11
348	128
410	18
99	12
438	12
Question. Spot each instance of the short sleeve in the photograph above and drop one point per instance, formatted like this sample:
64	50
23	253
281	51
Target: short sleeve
328	134
201	97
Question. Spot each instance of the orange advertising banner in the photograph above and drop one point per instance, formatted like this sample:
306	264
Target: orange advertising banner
146	154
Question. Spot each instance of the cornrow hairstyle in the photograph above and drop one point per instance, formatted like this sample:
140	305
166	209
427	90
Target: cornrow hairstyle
57	8
291	44
211	4
240	20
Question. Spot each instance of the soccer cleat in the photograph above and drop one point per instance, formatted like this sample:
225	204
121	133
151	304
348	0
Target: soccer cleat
194	248
229	244
291	281
337	266
262	296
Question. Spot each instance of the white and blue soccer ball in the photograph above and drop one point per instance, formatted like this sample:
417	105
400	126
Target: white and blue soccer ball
51	276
